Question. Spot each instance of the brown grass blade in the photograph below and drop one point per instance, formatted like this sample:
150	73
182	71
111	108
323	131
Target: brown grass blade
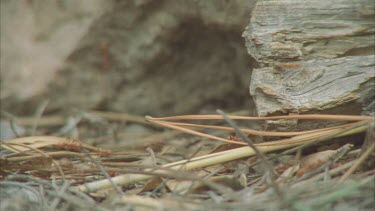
305	116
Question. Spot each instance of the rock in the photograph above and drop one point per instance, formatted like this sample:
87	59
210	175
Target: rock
315	86
316	56
159	58
36	38
310	29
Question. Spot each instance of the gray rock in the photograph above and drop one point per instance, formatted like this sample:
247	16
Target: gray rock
160	58
287	30
315	86
156	57
316	56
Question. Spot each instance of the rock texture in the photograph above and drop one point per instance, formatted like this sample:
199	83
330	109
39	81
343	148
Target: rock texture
36	38
170	57
160	58
316	56
315	86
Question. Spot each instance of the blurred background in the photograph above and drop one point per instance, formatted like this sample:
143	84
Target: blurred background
162	57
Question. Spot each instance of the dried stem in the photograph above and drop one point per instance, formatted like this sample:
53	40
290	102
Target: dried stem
306	116
211	159
357	163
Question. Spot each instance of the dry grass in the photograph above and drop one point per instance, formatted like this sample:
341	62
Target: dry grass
171	171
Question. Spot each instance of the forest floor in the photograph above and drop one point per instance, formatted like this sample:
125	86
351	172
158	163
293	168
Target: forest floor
124	162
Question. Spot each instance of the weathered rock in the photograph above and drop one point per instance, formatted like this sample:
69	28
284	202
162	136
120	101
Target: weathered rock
158	57
36	37
315	86
317	56
288	30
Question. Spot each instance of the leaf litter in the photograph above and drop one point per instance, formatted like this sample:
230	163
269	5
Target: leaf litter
211	164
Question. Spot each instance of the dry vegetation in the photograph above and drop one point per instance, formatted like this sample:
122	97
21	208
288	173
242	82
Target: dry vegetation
221	166
170	57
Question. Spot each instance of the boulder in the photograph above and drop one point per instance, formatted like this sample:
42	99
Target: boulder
316	56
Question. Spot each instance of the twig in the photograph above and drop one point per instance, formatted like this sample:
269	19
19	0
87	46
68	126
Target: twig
14	128
45	155
301	138
45	121
256	132
38	113
45	141
316	141
204	161
369	139
49	154
166	124
17	151
57	200
357	163
259	153
332	172
71	124
55	120
306	116
119	116
152	154
143	201
100	167
342	151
